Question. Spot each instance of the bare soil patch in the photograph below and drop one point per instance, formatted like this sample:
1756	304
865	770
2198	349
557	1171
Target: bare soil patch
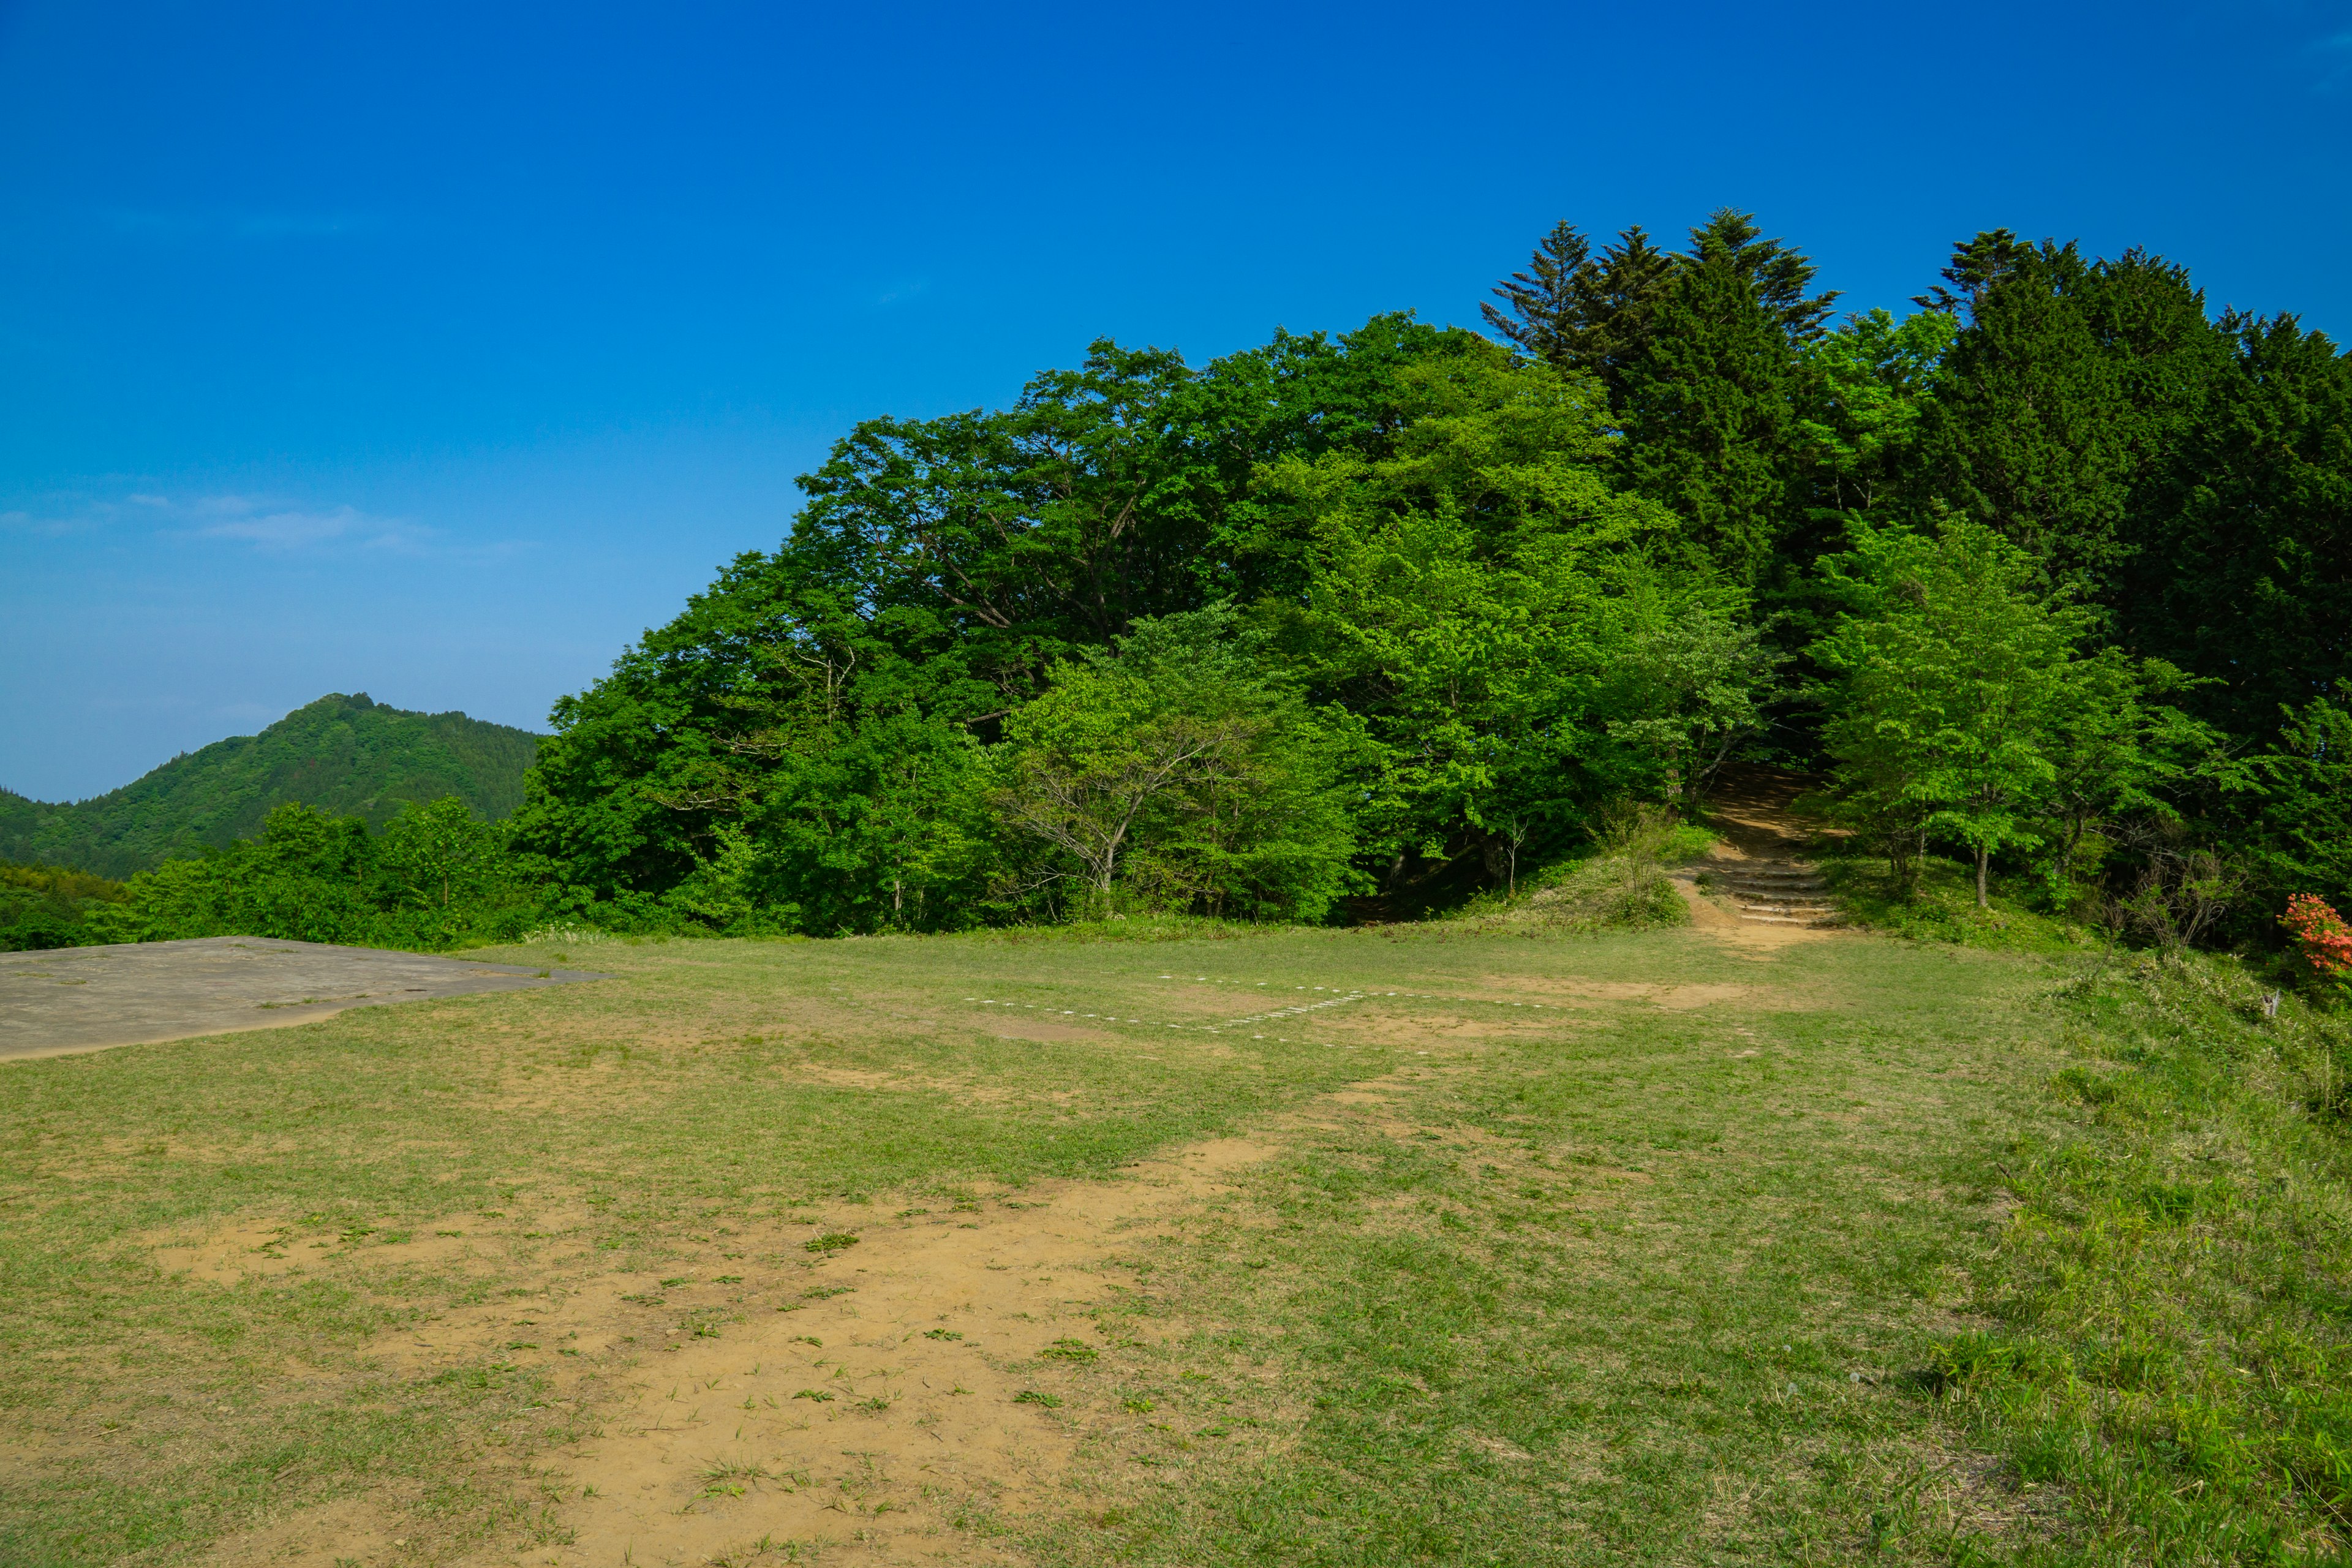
88	998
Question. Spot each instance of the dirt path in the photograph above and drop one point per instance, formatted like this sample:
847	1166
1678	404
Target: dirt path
864	1397
1758	888
886	1401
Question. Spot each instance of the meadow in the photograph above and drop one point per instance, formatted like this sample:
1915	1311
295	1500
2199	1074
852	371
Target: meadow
1448	1243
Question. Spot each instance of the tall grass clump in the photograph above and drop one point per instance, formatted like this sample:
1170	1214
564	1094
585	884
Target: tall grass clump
1618	883
2172	1296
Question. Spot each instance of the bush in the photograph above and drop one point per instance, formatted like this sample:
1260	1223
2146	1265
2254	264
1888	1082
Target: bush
1620	883
45	906
436	877
2322	939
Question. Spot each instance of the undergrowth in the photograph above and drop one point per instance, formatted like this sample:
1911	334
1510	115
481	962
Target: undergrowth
1618	883
1943	908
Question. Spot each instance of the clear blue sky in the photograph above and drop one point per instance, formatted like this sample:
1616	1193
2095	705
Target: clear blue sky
436	351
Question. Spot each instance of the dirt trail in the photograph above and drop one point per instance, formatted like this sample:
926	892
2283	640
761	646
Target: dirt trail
866	1398
878	1413
1760	889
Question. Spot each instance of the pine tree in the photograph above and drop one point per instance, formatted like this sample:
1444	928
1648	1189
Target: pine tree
1542	320
1710	407
1581	313
1616	300
2248	578
2062	404
1779	275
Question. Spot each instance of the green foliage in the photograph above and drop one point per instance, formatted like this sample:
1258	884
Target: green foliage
1581	312
1710	407
435	877
2301	826
1365	615
1358	626
1954	675
344	754
2061	410
800	747
2245	573
1489	608
1871	385
45	906
1179	774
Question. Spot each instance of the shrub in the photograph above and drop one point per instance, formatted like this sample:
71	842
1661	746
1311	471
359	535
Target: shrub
2323	937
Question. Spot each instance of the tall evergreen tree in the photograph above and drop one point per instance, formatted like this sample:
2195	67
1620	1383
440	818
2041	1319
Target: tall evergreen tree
1617	300
2247	577
2062	405
1779	275
1541	317
1711	405
1579	311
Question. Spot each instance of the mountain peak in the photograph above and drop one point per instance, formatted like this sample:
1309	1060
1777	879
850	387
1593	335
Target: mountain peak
346	754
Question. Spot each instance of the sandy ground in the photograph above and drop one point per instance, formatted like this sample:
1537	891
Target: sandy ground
87	998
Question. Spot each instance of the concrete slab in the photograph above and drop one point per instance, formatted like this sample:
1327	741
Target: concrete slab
87	998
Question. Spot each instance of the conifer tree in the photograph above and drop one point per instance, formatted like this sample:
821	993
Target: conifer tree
1582	313
1710	407
1542	320
2062	406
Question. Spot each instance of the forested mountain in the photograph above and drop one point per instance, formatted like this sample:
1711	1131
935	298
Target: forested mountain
345	754
2052	573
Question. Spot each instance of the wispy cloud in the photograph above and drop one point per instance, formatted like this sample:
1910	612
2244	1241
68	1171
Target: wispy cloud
2334	54
280	527
269	524
289	528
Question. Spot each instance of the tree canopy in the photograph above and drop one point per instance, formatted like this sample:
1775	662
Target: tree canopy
2047	570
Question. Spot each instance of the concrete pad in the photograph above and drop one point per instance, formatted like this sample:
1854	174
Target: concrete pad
87	998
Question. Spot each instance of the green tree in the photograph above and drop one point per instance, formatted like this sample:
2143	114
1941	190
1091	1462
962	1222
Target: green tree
1710	408
2062	406
2244	574
2300	832
797	740
1868	385
1694	683
439	853
1580	313
1175	770
2119	755
1541	314
1952	669
1471	595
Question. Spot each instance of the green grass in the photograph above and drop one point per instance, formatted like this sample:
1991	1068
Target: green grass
1849	1247
1616	883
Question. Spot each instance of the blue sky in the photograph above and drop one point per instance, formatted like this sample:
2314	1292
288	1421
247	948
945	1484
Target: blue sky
437	351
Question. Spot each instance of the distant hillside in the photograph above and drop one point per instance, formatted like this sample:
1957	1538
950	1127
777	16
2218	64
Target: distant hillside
343	753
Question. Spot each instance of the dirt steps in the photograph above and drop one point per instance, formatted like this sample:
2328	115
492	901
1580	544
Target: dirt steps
1775	892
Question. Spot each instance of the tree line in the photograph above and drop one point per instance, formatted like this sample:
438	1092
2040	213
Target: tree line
2047	574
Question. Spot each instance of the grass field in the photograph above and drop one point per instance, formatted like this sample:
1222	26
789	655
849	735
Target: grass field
1413	1245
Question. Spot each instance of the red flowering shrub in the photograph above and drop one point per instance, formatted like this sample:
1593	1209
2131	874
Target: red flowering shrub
2325	940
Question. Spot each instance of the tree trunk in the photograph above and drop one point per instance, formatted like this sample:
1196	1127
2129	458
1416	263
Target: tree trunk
1983	857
